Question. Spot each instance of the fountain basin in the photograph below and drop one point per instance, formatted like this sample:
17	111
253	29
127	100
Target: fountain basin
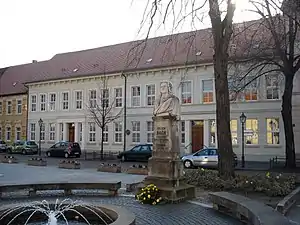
110	215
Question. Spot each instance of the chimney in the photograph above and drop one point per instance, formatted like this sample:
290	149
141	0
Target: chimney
34	61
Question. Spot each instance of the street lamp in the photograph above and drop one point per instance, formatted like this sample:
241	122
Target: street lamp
40	141
243	121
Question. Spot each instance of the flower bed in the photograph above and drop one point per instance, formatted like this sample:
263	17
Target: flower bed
9	159
149	195
37	162
69	164
110	168
138	169
270	184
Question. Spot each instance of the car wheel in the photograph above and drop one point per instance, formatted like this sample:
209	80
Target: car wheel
123	159
9	151
77	156
188	164
66	155
48	154
24	152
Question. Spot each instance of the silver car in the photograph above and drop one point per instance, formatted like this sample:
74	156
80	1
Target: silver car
3	146
207	157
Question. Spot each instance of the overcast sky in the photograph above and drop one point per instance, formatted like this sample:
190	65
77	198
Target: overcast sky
38	29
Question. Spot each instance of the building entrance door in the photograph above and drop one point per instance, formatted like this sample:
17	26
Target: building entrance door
197	135
71	132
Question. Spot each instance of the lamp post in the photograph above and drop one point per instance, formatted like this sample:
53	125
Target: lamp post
40	141
125	109
243	121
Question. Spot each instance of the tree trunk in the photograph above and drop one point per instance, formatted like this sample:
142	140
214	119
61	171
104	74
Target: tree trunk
286	112
102	140
226	169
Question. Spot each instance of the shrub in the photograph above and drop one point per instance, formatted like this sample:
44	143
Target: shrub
149	195
268	184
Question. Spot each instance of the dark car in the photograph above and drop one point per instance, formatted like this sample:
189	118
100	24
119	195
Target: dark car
137	153
3	146
23	147
64	149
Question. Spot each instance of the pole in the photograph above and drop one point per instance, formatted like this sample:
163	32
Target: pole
125	109
243	145
40	141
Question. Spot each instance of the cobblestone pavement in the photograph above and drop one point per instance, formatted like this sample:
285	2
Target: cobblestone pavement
176	214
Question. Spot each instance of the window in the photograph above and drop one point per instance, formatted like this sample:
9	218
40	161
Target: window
233	128
105	98
93	98
92	132
32	131
52	102
251	90
42	132
80	131
61	132
18	133
78	99
8	107
33	103
136	129
273	131
118	132
208	91
150	94
150	131
135	96
186	92
52	131
118	97
19	106
272	86
182	132
43	102
65	100
8	133
1	107
212	133
251	132
105	134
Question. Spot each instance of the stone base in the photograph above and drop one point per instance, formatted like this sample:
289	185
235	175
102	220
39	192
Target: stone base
165	168
138	171
172	190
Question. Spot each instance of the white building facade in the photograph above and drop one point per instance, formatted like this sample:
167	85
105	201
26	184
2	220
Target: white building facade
62	106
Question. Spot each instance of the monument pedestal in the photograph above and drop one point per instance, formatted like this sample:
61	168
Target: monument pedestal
165	166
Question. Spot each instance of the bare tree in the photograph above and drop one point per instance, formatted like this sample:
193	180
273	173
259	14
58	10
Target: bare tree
272	47
222	32
102	110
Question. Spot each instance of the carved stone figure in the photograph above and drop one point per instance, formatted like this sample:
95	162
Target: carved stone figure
167	104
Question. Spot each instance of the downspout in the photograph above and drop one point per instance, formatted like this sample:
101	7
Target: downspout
125	111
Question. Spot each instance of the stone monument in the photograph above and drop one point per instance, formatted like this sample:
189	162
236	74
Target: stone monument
165	166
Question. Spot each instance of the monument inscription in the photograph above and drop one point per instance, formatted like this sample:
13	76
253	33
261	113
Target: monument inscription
161	139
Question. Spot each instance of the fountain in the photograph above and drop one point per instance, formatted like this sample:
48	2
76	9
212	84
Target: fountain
67	212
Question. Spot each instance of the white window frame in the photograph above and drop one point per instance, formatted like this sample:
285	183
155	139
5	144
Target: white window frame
105	134
235	132
42	132
92	132
150	96
257	133
52	103
105	99
182	129
212	123
43	103
18	132
251	89
208	91
273	131
118	132
92	101
61	132
150	132
118	99
78	101
6	133
32	130
19	106
33	109
80	131
65	103
9	113
136	97
272	87
52	129
136	132
1	107
185	93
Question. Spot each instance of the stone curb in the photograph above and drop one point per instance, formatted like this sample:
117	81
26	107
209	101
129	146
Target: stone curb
288	201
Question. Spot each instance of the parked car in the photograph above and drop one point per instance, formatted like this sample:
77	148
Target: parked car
3	146
137	153
64	149
207	157
23	147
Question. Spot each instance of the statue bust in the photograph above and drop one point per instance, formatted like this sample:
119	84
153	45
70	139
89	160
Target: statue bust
166	104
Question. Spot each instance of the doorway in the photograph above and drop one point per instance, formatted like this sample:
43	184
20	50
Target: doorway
71	132
197	135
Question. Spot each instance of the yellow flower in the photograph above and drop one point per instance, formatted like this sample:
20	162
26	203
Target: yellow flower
157	200
153	203
144	198
149	196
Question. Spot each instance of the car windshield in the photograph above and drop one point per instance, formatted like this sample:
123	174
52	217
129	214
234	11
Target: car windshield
30	143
